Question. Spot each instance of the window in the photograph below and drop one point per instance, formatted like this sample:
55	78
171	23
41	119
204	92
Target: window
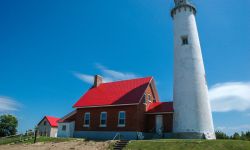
45	123
86	119
121	119
154	101
64	128
145	99
103	119
149	98
184	40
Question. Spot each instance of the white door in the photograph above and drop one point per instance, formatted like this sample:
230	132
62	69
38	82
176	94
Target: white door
159	124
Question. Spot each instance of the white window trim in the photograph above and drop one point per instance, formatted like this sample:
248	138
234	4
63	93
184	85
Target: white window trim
86	125
103	125
121	125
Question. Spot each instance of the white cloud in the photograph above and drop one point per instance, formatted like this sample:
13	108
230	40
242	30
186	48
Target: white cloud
84	77
115	75
232	129
107	74
231	96
7	104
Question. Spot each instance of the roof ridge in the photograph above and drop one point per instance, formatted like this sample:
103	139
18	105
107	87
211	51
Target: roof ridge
128	80
52	117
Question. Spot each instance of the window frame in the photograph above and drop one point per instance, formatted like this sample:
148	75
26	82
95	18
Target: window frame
119	118
84	124
106	118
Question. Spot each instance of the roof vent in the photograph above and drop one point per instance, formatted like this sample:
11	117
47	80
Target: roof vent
97	80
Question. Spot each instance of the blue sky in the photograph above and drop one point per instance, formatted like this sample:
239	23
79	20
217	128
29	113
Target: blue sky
49	50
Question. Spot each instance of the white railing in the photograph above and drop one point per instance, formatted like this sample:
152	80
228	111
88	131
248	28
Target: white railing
118	135
140	135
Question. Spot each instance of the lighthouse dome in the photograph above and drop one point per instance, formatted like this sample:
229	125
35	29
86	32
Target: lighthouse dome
179	2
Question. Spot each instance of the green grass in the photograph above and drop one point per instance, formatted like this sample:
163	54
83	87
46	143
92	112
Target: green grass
189	145
29	139
8	140
48	139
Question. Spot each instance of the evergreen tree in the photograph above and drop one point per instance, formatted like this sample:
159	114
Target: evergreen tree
221	135
236	136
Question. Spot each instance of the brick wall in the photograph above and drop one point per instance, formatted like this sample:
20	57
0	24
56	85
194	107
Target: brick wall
112	118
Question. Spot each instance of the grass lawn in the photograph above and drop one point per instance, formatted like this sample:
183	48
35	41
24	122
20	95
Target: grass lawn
189	145
48	139
30	139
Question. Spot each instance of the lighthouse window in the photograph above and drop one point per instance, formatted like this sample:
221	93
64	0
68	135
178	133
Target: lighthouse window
184	40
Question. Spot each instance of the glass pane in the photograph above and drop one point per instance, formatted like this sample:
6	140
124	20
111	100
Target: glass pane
122	115
103	115
121	121
86	122
103	122
87	116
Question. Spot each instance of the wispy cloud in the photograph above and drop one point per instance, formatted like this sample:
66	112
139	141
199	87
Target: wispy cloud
7	104
84	77
231	96
232	129
108	75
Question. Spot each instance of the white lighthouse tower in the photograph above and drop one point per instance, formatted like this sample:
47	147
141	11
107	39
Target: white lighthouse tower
192	112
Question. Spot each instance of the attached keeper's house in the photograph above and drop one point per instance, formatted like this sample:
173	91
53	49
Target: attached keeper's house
130	109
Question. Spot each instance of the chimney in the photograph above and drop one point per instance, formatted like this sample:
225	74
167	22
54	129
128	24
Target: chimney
97	80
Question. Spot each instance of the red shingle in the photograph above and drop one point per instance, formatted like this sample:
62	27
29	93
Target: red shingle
52	121
160	107
114	93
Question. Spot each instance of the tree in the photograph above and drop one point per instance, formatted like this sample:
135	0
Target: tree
236	136
221	135
248	135
8	125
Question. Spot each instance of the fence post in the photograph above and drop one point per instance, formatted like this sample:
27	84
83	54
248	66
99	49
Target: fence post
35	134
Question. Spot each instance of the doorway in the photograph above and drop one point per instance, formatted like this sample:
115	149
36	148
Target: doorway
159	124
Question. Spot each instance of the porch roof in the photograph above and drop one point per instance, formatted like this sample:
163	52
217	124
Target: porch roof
160	107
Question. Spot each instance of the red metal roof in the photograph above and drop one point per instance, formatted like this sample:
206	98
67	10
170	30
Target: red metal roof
52	120
160	107
115	93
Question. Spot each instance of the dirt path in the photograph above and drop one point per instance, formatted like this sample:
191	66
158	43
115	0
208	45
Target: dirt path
70	145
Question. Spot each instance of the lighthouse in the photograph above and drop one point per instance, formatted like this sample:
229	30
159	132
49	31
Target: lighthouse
192	111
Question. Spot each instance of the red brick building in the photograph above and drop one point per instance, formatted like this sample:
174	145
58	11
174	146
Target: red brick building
129	108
